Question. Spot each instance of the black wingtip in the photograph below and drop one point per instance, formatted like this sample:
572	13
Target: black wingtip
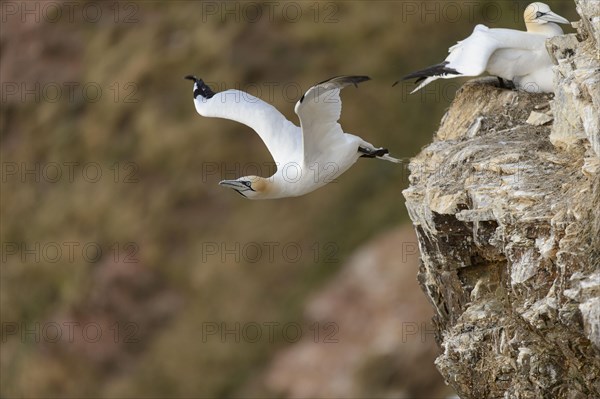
434	70
353	79
337	82
359	79
395	83
200	88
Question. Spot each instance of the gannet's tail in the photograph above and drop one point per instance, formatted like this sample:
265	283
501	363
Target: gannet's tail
386	157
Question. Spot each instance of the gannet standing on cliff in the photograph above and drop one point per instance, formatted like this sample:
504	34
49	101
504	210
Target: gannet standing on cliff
514	55
307	157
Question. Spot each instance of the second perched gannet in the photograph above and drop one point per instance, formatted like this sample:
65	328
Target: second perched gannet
514	55
307	157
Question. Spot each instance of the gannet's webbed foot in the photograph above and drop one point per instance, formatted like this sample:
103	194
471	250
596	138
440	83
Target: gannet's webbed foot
506	84
372	153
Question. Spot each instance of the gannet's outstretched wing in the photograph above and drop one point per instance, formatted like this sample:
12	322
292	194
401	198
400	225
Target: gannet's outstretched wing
282	138
319	110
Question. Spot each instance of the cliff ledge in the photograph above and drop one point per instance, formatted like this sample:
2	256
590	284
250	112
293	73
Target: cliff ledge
506	206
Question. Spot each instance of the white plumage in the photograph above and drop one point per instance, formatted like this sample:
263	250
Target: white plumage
517	56
307	157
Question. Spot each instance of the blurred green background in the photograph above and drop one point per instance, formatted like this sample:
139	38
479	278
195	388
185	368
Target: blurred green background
102	150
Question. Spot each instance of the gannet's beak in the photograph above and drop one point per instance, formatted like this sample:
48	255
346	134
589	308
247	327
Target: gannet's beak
553	17
235	184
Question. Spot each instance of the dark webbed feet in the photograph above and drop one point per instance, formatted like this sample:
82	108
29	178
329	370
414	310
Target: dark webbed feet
369	153
506	84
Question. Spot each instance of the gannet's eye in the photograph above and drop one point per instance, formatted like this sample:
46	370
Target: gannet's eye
248	184
539	14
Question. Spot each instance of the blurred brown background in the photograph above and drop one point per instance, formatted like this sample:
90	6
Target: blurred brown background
128	272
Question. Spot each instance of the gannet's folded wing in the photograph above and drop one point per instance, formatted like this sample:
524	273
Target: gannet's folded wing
491	50
282	138
319	110
470	56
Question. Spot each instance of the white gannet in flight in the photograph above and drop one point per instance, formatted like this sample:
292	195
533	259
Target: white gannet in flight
514	55
307	157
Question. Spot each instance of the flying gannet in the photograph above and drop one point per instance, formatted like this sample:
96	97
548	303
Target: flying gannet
514	55
306	157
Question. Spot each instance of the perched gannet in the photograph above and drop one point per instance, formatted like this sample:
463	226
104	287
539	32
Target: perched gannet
307	157
517	56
